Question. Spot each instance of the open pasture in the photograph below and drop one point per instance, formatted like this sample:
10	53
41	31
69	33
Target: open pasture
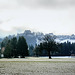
37	66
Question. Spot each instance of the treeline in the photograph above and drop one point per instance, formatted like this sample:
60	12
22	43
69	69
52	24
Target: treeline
60	49
14	47
18	47
67	49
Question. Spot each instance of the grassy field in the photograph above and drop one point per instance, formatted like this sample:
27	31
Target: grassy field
37	66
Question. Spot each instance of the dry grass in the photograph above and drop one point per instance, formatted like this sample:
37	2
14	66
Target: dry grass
37	66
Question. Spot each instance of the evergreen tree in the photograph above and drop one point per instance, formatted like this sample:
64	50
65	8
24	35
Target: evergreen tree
22	47
4	42
66	49
37	51
31	48
8	52
14	46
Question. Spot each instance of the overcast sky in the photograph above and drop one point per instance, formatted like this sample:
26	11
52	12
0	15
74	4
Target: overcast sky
47	16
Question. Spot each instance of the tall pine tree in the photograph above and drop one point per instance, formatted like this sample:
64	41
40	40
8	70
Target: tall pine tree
8	52
22	47
14	46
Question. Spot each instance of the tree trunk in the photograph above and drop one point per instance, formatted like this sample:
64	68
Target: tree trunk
49	55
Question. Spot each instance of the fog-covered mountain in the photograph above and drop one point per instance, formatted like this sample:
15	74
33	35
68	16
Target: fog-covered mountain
65	38
31	37
34	38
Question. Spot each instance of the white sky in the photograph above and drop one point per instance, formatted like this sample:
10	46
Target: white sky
47	16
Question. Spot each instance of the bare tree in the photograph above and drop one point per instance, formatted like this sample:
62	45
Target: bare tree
49	44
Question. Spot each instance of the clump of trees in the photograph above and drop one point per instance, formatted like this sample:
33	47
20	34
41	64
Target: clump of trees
48	47
51	48
67	49
15	48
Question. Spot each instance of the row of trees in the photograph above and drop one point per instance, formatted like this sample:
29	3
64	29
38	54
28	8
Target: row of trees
67	48
15	48
48	47
58	49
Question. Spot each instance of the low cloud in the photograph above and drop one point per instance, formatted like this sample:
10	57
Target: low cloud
46	3
12	4
1	22
19	15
